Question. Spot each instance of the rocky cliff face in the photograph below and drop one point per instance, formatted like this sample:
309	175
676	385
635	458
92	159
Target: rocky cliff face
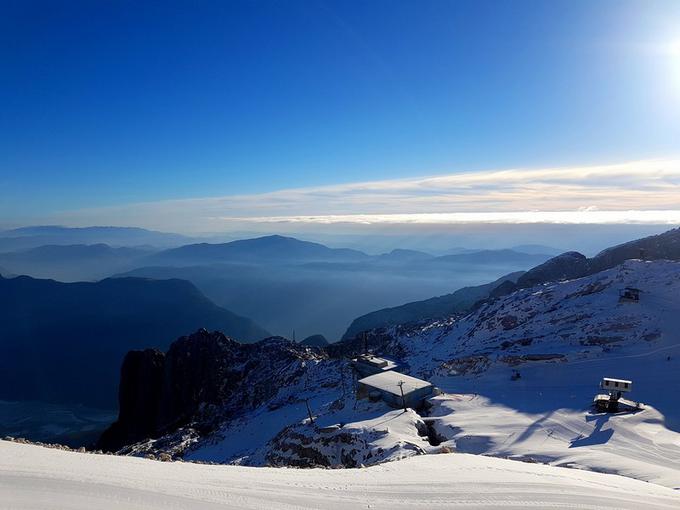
203	379
139	398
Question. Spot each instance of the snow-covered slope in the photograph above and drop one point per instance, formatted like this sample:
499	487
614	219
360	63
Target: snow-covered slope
562	338
567	324
33	478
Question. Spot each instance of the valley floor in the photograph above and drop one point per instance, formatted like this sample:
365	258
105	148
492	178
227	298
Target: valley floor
32	477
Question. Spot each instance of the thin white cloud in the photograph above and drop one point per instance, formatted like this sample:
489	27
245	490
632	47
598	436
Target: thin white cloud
635	192
585	216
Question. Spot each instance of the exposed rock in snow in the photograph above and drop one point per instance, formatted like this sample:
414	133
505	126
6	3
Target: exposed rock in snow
203	380
390	436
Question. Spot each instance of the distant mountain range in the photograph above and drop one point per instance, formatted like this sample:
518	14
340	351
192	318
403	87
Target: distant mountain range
64	342
31	237
282	283
73	262
493	257
286	284
399	255
536	249
280	249
276	249
530	249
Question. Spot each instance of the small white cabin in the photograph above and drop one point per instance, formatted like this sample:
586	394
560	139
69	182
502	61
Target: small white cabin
398	390
616	385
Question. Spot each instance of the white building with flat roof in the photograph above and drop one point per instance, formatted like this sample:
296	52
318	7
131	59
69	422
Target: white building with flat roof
389	385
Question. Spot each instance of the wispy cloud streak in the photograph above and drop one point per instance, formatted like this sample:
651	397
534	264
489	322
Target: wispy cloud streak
640	191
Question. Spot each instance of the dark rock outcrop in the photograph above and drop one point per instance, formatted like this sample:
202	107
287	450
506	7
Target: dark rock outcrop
203	379
139	397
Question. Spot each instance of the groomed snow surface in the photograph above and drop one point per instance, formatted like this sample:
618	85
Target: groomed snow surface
32	477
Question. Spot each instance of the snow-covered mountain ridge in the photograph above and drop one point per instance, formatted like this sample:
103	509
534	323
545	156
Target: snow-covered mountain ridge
556	323
562	337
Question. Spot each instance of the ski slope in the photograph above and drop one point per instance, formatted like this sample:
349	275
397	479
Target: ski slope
32	478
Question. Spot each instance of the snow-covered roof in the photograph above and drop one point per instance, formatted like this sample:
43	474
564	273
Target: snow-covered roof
389	382
620	381
376	362
373	360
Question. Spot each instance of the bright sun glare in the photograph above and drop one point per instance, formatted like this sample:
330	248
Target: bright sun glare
673	54
674	48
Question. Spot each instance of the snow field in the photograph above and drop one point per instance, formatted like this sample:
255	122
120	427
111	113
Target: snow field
33	478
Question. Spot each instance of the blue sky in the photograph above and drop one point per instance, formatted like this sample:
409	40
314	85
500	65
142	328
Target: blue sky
113	103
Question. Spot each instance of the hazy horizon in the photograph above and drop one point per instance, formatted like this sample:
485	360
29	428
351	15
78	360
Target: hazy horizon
588	239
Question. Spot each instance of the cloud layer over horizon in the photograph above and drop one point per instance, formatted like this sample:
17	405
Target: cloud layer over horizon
634	192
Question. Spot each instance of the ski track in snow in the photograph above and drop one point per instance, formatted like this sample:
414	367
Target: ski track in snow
32	478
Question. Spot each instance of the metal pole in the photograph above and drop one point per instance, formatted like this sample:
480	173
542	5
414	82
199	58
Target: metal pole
403	400
309	411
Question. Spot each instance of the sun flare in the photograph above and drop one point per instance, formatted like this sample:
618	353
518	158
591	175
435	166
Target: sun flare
674	48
